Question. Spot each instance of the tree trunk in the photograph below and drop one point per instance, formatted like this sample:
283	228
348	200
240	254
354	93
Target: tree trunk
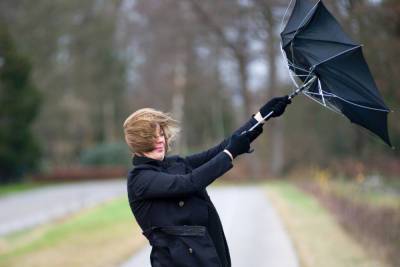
244	90
178	100
109	121
276	127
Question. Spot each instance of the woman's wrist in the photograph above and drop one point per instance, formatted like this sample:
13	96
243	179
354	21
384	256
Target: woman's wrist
229	153
259	117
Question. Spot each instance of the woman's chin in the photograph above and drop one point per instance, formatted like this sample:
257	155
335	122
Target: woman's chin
161	156
157	155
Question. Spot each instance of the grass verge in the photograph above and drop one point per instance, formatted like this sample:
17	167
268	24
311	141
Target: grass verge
104	235
379	197
317	237
18	187
372	217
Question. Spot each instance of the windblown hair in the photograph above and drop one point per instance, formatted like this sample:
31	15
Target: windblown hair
140	129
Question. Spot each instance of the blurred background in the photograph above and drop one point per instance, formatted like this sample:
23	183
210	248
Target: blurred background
71	72
78	69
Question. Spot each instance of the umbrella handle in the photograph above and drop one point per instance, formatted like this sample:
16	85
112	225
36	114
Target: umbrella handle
251	150
259	122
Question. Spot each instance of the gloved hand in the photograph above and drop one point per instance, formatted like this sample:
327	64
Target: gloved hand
239	144
276	104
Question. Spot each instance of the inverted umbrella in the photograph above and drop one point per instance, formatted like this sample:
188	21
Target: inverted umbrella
331	67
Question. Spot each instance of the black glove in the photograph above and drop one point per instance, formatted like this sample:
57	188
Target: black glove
276	104
239	144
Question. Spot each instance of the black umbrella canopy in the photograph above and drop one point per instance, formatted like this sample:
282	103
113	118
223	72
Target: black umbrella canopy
316	46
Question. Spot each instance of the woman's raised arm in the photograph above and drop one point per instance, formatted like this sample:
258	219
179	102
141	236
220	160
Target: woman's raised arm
198	159
156	184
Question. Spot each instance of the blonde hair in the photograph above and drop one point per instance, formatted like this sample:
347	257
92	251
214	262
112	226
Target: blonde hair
140	129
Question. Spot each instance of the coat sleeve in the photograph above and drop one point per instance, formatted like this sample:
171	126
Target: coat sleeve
155	184
198	159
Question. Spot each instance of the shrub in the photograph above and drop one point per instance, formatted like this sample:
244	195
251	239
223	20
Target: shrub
19	106
106	154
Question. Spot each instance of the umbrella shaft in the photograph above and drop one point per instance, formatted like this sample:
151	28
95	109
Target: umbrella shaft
304	86
261	121
292	95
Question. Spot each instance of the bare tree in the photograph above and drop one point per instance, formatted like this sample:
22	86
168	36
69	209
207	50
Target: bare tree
236	21
269	24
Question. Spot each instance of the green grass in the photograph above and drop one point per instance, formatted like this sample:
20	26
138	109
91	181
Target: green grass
18	187
317	237
357	192
86	223
108	229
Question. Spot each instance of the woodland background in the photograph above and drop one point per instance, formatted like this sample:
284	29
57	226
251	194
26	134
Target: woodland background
71	72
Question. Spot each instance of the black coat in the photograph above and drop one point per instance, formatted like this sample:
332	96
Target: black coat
170	203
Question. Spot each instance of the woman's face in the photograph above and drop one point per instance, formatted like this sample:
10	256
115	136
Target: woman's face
158	152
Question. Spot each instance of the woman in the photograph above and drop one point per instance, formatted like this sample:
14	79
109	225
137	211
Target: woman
168	195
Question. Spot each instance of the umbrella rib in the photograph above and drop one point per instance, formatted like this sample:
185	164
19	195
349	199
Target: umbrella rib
361	106
301	75
339	54
346	74
315	100
284	16
301	24
296	67
320	91
309	12
288	68
327	94
297	75
324	41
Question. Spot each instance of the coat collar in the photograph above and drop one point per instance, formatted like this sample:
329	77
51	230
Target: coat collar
137	160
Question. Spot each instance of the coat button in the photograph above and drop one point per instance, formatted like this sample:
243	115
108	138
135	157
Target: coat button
181	203
190	250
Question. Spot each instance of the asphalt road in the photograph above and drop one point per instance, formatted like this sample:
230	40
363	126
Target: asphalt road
255	234
30	208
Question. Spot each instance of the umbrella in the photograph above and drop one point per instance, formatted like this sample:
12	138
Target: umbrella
331	67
